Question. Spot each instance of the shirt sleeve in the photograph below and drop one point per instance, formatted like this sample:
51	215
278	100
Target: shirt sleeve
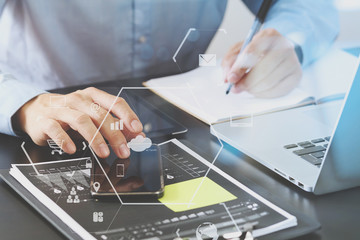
312	25
13	95
2	3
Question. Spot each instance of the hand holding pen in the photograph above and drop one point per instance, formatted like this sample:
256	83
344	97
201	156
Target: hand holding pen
265	64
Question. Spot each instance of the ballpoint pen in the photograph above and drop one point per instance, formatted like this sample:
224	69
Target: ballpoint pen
259	20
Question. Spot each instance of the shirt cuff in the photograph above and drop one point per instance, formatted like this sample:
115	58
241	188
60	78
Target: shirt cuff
298	45
13	95
301	23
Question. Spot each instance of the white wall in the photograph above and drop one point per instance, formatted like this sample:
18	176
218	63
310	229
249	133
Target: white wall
349	27
238	20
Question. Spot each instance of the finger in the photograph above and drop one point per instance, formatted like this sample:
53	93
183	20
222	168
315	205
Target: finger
230	58
82	123
257	48
265	74
117	140
281	62
276	63
238	87
118	106
226	66
103	120
236	48
243	63
271	80
54	130
283	88
130	135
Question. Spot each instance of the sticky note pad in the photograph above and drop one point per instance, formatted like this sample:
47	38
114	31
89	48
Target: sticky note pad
209	193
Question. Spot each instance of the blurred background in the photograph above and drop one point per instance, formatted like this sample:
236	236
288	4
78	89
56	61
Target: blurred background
236	13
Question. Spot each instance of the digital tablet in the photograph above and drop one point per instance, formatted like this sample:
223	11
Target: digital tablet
156	123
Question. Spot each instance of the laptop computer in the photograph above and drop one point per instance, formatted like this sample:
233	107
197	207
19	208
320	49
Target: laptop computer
315	147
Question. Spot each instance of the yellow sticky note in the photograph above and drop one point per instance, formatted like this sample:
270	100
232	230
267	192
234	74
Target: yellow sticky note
178	195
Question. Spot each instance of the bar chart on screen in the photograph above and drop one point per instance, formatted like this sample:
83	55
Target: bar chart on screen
118	125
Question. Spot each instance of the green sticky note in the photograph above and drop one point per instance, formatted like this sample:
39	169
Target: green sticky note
178	196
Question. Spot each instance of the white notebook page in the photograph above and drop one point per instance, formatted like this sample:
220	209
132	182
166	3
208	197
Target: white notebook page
205	96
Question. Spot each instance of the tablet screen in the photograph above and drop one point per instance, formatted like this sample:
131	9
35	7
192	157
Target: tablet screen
155	122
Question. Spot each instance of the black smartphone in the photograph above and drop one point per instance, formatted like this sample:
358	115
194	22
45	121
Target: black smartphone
139	175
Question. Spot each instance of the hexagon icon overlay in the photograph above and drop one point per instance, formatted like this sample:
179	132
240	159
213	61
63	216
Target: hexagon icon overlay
107	177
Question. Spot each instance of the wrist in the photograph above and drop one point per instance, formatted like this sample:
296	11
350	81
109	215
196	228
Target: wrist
19	119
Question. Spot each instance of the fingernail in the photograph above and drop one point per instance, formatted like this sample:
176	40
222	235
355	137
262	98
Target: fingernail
104	150
124	150
233	77
70	147
238	89
136	125
225	71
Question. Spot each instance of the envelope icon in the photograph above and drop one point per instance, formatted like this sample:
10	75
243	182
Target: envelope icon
207	60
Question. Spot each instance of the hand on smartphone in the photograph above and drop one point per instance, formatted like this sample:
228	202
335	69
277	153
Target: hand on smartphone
41	121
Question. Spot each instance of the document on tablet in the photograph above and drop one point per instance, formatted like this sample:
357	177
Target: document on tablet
196	193
205	98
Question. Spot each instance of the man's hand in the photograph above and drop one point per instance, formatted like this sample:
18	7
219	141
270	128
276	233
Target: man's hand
41	121
268	66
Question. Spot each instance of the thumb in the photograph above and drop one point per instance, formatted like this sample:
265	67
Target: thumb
244	62
230	58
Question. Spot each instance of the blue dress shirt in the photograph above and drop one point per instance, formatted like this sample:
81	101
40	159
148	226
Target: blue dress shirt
49	44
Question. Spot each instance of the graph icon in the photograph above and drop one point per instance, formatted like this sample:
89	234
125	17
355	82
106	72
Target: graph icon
118	125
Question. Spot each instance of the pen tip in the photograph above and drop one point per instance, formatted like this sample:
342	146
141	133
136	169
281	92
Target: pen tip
227	92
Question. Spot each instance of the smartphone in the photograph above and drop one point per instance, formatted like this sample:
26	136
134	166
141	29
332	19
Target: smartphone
139	175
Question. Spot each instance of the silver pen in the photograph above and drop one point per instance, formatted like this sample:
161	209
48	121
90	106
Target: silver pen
259	20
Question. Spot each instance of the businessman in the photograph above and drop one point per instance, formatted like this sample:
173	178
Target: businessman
50	44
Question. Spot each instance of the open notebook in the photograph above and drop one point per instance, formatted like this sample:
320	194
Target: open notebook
201	92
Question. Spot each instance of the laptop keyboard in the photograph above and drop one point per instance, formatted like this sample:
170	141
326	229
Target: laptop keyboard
312	151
